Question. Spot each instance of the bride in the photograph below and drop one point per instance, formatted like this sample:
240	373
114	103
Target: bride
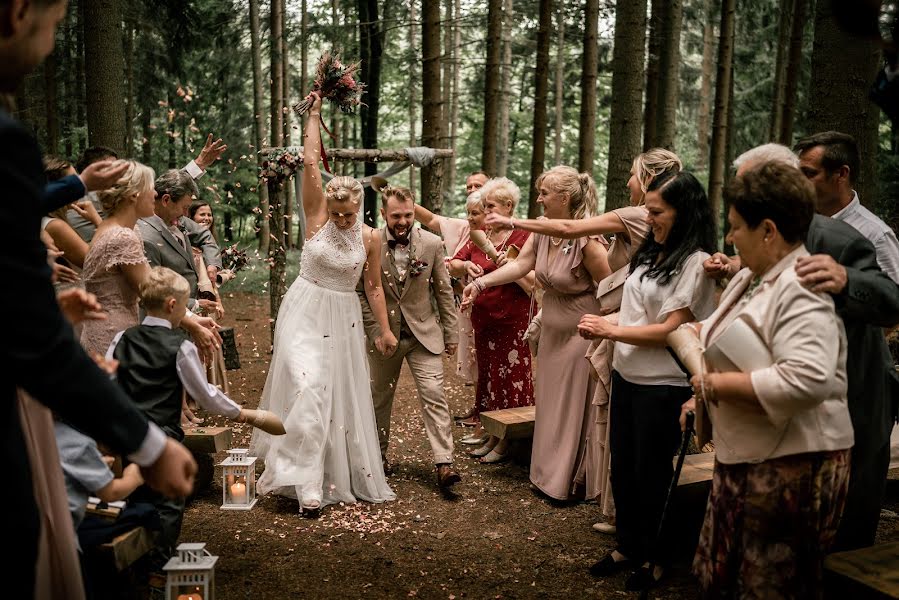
318	379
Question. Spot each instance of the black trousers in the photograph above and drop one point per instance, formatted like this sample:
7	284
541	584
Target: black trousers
644	438
171	515
867	484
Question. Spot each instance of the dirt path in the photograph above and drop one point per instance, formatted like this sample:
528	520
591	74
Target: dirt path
495	539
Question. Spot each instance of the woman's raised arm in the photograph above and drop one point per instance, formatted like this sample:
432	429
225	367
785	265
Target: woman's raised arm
313	193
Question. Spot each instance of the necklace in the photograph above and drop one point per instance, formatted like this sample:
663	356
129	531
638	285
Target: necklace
554	241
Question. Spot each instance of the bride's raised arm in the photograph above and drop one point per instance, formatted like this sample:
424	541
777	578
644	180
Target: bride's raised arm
314	206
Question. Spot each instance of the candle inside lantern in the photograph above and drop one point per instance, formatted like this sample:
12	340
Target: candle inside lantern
196	596
239	492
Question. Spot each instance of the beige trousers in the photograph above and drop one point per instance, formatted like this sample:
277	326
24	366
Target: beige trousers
427	371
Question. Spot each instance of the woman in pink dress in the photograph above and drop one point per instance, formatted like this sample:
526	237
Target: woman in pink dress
115	264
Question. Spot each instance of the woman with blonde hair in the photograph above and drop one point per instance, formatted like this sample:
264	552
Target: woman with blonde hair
628	225
115	265
567	271
318	378
499	318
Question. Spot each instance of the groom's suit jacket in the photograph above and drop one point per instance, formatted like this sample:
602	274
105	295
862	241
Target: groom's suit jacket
162	249
424	298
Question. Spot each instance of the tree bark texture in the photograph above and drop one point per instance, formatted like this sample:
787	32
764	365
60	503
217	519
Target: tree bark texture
589	74
432	115
560	81
129	89
258	122
371	39
718	157
627	91
502	160
651	108
50	104
541	98
285	112
705	87
793	69
785	15
669	76
104	79
457	78
492	85
413	84
843	68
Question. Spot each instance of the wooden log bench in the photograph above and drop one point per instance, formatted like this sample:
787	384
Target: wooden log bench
125	549
509	423
203	442
865	573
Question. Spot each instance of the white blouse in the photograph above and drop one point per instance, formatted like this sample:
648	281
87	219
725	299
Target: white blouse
646	302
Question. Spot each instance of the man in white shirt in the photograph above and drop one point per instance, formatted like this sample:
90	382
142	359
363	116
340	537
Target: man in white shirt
830	161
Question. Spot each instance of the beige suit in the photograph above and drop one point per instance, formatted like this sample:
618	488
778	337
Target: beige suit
424	299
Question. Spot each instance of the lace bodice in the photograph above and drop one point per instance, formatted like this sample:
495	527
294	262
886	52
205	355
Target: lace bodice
334	258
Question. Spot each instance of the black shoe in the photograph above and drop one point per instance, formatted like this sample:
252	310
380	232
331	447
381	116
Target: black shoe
642	579
608	566
388	468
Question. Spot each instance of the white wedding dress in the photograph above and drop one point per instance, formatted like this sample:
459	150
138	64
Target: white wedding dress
318	383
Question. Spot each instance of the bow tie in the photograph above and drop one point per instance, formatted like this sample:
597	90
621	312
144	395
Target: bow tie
392	244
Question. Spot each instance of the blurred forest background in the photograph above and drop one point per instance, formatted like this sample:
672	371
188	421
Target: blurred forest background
513	86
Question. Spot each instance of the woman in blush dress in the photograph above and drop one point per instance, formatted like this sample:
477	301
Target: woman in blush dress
567	271
318	379
115	264
499	318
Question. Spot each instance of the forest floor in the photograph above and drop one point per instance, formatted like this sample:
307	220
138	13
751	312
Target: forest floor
493	538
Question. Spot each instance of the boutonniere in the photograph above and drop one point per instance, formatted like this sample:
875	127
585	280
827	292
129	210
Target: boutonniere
417	267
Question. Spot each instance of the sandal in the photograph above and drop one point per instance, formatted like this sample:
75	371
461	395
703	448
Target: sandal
494	457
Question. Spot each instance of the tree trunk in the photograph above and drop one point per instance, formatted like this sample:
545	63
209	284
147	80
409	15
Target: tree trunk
541	98
285	102
589	74
170	130
70	90
780	67
103	80
454	107
50	104
560	80
446	78
718	157
80	84
276	75
146	132
413	84
651	108
628	56
502	161
729	173
371	40
258	122
843	67
669	65
492	81
304	45
793	69
705	86
432	118
129	89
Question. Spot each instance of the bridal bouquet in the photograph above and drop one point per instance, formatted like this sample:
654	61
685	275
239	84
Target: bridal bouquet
280	165
335	81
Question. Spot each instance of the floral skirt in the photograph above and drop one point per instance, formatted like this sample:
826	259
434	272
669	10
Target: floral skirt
768	526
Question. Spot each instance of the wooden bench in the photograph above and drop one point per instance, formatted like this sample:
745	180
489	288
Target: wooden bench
865	573
697	469
509	423
124	550
207	439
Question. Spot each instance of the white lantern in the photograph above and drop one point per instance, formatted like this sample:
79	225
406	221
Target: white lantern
238	480
191	574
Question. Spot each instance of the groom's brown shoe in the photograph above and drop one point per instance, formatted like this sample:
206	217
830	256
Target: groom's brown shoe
446	476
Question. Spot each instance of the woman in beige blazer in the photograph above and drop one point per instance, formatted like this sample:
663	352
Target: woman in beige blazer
782	432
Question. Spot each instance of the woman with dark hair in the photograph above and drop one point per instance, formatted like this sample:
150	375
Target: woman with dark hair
666	287
782	425
201	213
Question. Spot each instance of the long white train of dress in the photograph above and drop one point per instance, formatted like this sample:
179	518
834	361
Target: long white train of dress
318	383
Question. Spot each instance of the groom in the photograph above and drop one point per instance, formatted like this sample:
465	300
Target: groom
422	316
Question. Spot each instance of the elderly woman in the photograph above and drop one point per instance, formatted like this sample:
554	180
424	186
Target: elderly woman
499	318
455	237
567	271
666	287
782	432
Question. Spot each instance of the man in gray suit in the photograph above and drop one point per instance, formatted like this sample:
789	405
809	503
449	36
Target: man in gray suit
169	234
422	315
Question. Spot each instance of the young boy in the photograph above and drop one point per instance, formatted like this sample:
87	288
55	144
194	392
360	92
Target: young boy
156	362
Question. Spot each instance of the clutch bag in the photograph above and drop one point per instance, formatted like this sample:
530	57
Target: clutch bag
610	290
739	348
